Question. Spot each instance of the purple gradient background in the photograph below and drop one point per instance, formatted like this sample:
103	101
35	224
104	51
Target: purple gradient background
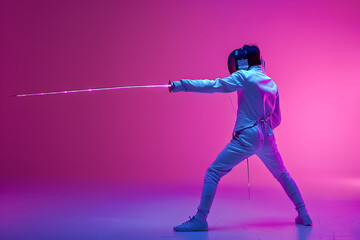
311	50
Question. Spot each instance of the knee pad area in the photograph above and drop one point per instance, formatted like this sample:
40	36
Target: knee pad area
284	178
213	175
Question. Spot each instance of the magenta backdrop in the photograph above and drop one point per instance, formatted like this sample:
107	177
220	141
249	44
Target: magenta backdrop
311	50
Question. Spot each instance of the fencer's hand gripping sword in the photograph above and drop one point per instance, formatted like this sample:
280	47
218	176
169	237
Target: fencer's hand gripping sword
93	90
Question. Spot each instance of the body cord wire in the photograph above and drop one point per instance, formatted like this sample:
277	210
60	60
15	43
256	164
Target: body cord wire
247	159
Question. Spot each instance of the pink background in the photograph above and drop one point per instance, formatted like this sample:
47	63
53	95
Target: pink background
311	50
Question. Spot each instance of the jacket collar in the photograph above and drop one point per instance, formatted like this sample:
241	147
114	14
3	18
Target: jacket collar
257	67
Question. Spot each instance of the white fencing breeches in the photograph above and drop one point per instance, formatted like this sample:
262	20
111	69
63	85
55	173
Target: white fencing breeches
254	140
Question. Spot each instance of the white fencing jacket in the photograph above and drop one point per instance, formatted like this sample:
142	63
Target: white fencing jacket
258	96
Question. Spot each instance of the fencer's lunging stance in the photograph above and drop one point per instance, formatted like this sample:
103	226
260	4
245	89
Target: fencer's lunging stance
257	115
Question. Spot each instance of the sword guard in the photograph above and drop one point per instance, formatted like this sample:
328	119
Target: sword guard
170	89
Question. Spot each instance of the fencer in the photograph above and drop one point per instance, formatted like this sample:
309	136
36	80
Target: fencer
257	115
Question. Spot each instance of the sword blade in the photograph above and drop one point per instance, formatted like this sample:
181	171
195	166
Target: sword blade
93	90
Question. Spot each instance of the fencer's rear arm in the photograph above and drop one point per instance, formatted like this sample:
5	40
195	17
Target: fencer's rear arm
276	115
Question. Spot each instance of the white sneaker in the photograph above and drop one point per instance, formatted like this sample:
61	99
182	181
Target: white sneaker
193	224
304	219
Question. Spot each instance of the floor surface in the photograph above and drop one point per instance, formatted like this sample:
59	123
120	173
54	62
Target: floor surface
93	210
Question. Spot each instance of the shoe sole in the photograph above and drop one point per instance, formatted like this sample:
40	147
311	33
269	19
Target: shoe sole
304	223
190	230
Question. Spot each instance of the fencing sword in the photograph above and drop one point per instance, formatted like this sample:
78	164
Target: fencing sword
247	159
122	87
93	90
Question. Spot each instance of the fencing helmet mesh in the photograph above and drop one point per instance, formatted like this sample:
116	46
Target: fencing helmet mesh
243	58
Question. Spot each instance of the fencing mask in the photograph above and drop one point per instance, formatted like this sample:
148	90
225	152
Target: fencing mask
243	58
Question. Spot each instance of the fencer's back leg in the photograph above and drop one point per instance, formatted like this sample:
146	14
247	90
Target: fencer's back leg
273	161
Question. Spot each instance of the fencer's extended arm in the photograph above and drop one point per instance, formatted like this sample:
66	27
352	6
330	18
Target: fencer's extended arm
276	115
225	85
